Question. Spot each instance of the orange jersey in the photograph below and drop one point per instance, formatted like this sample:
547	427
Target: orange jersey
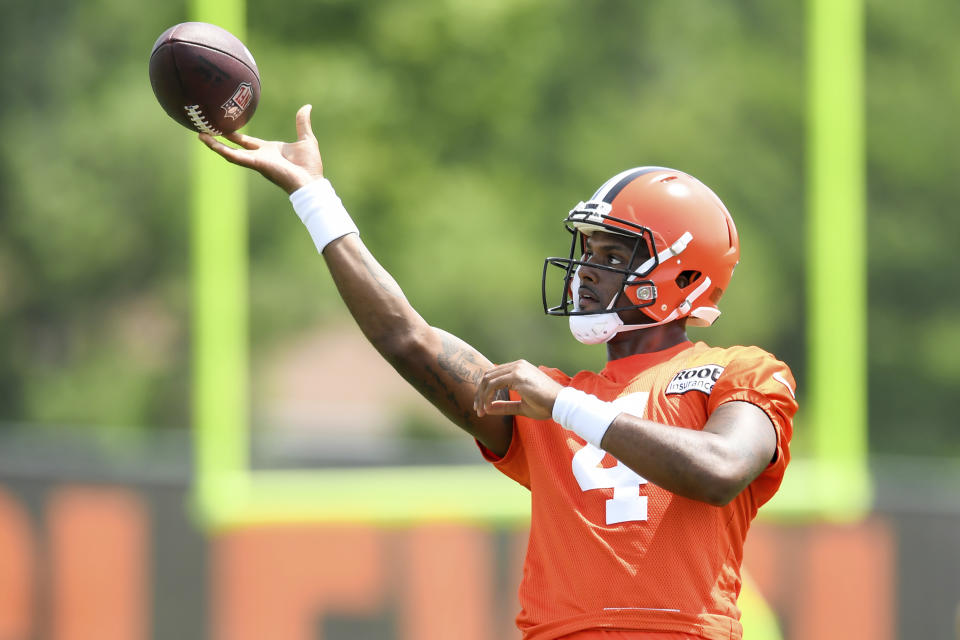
608	549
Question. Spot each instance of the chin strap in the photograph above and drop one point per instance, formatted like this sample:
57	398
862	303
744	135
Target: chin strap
598	328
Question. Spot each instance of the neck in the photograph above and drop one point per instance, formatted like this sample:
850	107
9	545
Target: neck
630	343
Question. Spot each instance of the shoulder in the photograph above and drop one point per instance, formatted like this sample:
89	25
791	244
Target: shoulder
738	358
759	364
728	373
754	375
744	361
732	353
701	358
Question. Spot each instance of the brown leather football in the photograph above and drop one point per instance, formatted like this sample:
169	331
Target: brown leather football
204	78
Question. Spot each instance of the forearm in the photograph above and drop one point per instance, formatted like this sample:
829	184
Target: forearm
372	296
693	464
713	464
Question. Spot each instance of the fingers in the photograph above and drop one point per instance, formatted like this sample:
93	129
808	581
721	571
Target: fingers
536	389
491	383
236	156
245	141
501	408
485	393
304	128
215	144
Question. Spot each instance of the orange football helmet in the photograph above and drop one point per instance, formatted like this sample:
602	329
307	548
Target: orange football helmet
684	236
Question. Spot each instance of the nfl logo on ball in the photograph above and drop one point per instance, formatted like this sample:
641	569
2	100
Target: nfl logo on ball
238	102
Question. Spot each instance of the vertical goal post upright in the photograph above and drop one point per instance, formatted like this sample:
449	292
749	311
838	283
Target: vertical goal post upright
220	308
836	474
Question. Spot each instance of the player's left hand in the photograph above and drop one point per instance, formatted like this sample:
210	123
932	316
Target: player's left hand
537	391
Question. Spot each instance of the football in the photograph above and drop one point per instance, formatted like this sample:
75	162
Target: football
204	78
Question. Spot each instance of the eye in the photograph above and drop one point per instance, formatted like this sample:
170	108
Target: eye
614	260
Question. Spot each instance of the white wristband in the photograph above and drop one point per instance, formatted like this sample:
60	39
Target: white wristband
322	212
587	416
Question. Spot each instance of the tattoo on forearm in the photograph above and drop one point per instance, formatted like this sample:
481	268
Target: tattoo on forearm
380	276
462	416
459	362
432	386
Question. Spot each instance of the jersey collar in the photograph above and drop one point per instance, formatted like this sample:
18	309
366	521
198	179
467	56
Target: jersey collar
625	369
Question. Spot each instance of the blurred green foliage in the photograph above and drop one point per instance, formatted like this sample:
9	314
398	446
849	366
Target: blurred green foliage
458	134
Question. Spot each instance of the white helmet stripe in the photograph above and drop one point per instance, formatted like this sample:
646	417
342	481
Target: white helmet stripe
612	187
606	186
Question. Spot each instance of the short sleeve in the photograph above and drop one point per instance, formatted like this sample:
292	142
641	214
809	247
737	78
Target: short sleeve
760	379
513	464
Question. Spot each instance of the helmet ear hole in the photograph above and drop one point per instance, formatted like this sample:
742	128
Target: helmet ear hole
687	278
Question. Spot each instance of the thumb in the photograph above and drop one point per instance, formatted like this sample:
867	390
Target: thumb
304	129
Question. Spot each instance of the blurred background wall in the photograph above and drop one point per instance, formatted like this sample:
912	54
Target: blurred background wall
458	134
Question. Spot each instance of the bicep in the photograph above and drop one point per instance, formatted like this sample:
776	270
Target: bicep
749	435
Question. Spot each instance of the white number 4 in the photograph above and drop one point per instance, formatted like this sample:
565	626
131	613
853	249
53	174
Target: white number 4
627	504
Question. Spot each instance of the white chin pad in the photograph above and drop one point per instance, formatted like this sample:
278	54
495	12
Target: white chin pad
595	328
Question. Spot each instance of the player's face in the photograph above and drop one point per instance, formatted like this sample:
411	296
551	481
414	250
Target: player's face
599	286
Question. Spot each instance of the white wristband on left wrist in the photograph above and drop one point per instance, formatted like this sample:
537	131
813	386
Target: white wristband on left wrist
322	212
586	415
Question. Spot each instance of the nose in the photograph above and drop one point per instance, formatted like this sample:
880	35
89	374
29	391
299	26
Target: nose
587	273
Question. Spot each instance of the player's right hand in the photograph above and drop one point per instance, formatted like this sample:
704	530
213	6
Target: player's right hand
289	165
